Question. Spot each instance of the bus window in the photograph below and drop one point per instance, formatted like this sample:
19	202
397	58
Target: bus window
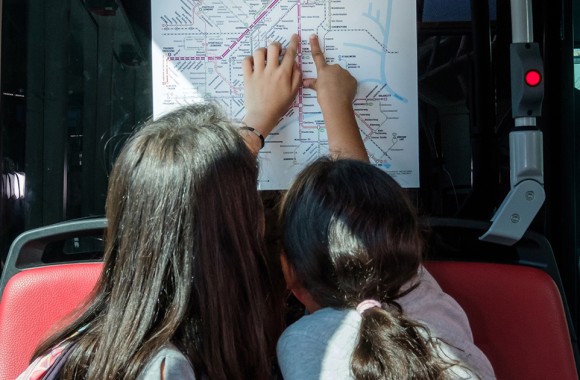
75	81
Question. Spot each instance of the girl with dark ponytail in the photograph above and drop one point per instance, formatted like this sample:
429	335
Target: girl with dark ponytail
353	253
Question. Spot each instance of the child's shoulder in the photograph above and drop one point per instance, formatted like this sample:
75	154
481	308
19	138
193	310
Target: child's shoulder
172	362
429	304
322	342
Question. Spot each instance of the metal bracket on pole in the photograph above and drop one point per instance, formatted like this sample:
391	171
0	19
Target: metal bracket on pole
527	195
513	217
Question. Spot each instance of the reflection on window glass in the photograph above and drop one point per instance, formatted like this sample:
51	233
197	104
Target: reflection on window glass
76	79
451	10
577	68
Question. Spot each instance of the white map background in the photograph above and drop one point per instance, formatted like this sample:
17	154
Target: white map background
198	47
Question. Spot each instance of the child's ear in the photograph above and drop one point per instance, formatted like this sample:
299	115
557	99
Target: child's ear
294	284
289	272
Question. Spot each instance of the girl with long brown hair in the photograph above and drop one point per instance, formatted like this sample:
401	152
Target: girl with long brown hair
188	288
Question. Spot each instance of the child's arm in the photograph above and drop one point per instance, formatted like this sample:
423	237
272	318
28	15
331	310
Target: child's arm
270	86
335	90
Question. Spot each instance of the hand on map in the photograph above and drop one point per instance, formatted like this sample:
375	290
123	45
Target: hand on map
270	84
335	91
333	83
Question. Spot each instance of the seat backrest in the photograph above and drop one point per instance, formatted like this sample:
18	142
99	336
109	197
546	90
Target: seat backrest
516	315
37	293
33	302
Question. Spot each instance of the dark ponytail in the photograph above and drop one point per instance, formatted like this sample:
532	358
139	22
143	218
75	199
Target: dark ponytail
351	234
392	347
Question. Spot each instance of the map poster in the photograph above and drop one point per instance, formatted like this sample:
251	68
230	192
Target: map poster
198	47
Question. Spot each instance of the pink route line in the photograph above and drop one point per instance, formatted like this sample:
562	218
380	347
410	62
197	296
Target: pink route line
215	58
260	17
299	52
365	124
257	20
301	88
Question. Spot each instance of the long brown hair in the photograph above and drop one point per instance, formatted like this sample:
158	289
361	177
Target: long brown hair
185	260
351	234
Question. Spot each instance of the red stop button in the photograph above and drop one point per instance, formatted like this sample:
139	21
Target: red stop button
533	78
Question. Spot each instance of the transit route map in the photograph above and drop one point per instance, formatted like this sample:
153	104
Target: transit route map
198	47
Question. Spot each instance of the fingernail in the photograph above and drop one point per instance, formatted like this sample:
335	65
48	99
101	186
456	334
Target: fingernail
313	36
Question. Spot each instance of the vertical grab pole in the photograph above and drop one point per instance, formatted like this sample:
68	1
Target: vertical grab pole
522	21
527	194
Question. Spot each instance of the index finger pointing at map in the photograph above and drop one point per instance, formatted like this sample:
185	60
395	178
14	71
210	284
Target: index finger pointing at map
316	52
291	51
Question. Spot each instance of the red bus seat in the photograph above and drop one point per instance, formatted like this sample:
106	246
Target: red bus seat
37	293
33	302
516	315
